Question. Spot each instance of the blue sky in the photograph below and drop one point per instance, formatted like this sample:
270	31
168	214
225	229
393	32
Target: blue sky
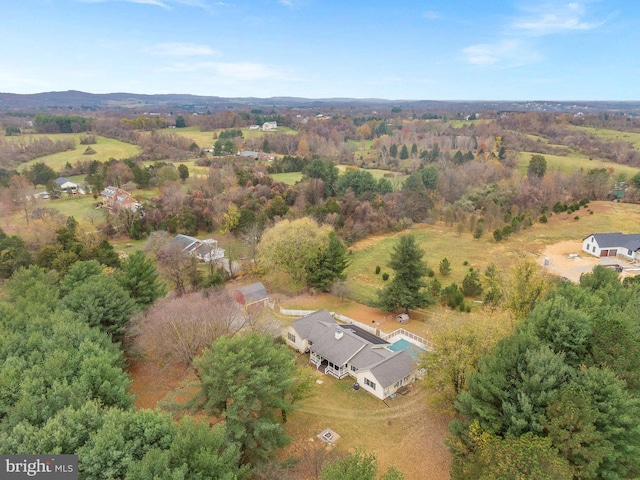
436	50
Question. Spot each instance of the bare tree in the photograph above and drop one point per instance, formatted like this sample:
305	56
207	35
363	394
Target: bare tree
177	329
156	241
179	267
261	320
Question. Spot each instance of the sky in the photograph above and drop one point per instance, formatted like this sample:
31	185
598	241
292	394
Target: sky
391	49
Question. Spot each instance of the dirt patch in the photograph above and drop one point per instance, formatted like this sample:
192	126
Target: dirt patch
567	260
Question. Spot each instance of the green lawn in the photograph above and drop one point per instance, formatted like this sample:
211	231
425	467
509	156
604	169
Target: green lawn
105	148
290	178
574	162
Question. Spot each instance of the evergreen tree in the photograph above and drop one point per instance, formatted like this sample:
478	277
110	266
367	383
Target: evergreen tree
404	152
406	290
445	267
330	264
393	150
139	277
245	380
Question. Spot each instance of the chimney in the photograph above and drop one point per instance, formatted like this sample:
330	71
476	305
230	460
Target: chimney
339	333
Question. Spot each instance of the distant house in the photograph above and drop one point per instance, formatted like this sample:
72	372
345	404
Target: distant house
252	296
254	127
613	244
346	350
255	155
67	185
114	198
266	126
204	250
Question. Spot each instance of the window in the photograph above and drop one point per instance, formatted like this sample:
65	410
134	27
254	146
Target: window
369	383
291	337
353	369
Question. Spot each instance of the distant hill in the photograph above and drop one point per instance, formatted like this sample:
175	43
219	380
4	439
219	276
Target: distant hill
75	100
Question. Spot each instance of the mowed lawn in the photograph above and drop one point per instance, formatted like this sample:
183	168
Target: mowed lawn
573	163
404	432
105	149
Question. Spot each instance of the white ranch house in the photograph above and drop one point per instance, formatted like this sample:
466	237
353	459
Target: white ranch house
624	245
346	350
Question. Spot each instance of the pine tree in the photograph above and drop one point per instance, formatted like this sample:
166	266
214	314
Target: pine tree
406	290
330	264
140	278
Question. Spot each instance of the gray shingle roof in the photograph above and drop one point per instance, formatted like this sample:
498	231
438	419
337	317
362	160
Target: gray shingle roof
393	369
254	292
305	324
370	356
328	346
617	239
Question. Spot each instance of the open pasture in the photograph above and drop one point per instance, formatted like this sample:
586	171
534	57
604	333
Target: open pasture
612	135
573	163
105	149
440	241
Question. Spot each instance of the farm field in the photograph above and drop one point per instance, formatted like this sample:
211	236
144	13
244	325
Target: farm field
206	140
612	135
105	148
574	162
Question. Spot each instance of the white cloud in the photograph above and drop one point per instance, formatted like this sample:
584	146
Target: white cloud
431	15
166	4
552	18
181	49
507	53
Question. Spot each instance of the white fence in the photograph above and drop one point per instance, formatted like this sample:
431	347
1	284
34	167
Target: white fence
412	337
351	321
296	313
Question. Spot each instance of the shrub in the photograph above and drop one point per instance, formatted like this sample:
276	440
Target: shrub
543	219
377	269
576	217
385	276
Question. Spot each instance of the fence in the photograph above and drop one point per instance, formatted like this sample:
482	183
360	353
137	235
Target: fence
351	321
426	344
337	316
295	313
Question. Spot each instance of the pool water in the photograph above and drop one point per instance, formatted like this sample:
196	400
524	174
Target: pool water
410	348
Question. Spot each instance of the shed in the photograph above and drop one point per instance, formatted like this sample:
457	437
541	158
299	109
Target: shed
403	318
252	296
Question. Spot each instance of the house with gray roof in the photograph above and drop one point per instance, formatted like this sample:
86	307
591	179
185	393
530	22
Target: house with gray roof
344	350
613	244
204	250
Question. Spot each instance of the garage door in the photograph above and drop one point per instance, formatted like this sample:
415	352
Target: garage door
604	253
613	252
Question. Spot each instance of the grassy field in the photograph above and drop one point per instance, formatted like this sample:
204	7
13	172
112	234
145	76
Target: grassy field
105	148
572	163
612	135
290	178
206	140
440	241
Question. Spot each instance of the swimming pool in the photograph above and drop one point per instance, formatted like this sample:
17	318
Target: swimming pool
412	349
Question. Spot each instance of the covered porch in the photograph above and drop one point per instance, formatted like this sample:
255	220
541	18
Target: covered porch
338	371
